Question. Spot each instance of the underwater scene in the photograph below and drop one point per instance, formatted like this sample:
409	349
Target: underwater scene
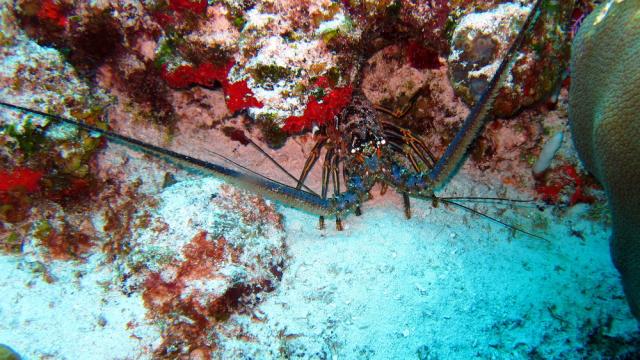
319	179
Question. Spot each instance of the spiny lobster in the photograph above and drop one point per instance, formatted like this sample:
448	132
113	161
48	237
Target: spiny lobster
369	151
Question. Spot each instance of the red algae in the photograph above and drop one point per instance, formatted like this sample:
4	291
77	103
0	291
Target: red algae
20	178
120	203
238	96
177	12
50	12
163	19
159	294
565	184
181	297
71	189
202	258
205	74
319	112
236	135
210	276
422	57
66	244
195	6
16	187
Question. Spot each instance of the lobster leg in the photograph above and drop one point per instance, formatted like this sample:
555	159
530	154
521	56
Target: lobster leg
398	148
383	188
345	176
404	110
335	166
326	171
311	161
405	136
421	148
407	205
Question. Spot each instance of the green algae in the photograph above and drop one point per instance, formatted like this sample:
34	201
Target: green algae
167	49
239	21
41	229
12	243
270	73
28	139
271	131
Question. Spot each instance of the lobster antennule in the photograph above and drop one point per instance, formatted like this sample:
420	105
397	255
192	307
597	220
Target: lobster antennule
263	186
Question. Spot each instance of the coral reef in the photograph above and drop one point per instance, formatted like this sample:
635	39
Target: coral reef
269	62
191	283
165	263
183	38
480	41
41	161
604	105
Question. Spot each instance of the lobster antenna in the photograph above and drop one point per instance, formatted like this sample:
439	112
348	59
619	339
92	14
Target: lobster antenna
253	143
239	136
255	172
260	184
481	214
487	199
455	152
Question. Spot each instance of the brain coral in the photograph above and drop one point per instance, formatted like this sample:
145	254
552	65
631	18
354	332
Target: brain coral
603	112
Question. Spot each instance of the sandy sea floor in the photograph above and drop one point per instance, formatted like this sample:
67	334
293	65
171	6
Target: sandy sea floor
444	284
